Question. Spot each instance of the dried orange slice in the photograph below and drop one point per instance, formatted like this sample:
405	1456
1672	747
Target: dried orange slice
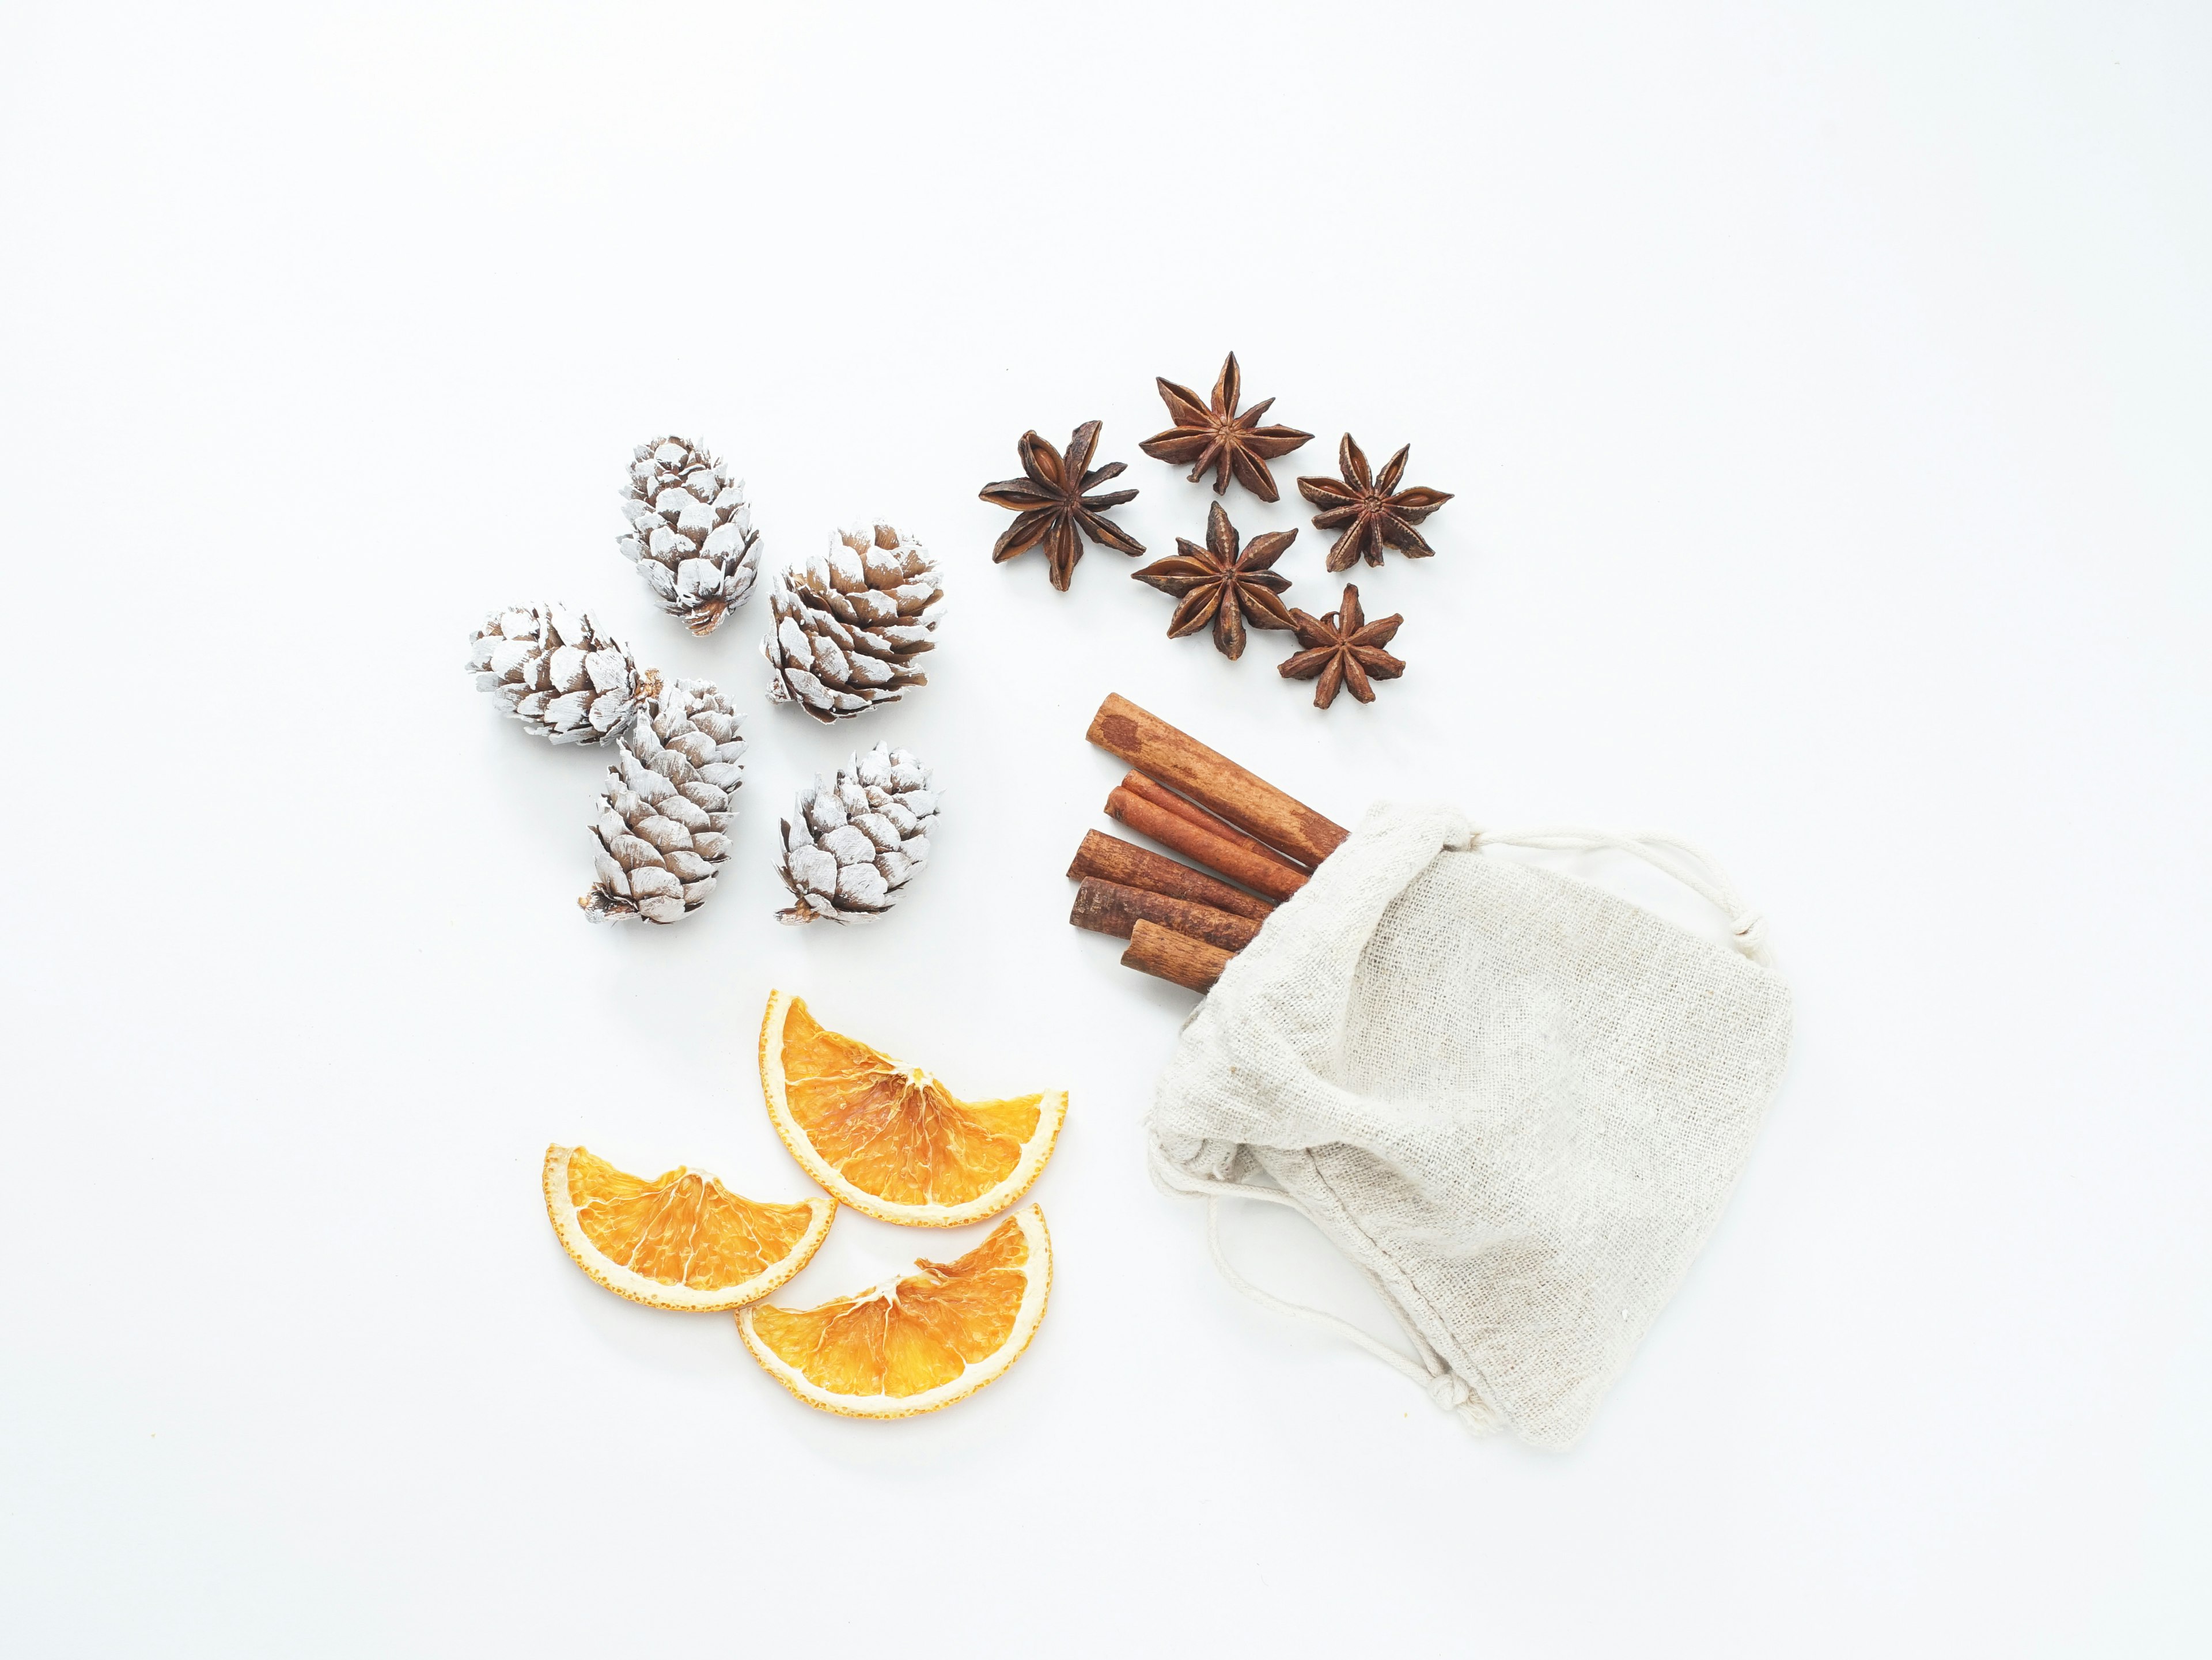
890	1141
934	1337
681	1240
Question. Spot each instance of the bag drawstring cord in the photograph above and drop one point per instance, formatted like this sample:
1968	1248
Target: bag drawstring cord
1442	1385
1690	866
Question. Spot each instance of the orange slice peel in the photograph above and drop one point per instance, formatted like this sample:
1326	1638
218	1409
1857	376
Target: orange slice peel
933	1337
890	1140
679	1240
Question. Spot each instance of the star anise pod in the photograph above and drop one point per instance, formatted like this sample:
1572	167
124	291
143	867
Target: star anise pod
1220	438
1219	584
1053	507
1343	650
1371	511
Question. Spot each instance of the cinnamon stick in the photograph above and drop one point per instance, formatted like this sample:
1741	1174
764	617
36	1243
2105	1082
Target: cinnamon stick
1110	908
1112	860
1213	780
1175	956
1218	854
1161	796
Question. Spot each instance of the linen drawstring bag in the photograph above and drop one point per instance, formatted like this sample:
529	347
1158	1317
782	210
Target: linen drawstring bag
1515	1100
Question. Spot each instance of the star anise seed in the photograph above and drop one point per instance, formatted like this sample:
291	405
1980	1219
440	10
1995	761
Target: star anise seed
1053	508
1343	650
1219	584
1220	438
1372	512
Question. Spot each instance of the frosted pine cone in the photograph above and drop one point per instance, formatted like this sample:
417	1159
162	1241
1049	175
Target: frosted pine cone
847	625
849	846
691	533
666	808
558	674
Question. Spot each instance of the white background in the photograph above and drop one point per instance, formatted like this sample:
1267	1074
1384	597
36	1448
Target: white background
1824	390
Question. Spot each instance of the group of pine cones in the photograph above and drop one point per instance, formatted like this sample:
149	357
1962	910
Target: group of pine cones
846	628
1225	583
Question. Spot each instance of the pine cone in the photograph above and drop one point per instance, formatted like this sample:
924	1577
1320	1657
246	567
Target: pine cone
558	675
666	808
848	624
691	533
848	847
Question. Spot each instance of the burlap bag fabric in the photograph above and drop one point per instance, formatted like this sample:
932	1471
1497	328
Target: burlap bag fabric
1518	1101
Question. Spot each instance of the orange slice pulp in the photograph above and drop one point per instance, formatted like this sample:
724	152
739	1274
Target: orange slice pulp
890	1141
934	1337
681	1240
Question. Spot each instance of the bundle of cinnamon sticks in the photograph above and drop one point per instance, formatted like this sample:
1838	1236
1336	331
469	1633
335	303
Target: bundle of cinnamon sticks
1249	845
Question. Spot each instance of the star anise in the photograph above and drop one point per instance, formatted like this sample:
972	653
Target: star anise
1219	584
1218	437
1371	511
1343	650
1053	508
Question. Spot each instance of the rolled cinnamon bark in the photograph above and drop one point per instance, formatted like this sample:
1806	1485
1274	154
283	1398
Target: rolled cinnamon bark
1109	908
1213	780
1218	854
1175	956
1112	860
1161	796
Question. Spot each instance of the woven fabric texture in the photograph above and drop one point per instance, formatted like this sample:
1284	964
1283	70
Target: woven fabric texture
1518	1101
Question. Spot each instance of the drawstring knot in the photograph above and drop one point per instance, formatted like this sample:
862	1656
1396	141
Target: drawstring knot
1750	937
1449	1391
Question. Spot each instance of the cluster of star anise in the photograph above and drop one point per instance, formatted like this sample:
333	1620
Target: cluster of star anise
1224	583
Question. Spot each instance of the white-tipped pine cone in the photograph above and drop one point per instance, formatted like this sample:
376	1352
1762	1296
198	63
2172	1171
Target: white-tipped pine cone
691	533
847	625
558	674
666	808
850	846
